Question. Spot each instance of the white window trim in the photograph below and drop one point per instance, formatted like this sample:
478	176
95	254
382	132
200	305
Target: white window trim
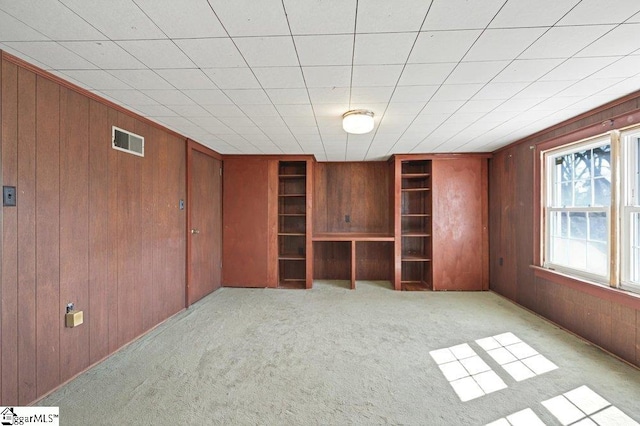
629	202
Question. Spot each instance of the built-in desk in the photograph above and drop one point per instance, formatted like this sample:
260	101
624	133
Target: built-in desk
352	238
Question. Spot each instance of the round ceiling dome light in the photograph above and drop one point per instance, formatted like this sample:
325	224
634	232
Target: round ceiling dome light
357	121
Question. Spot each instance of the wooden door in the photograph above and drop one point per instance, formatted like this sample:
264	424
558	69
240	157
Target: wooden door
459	226
204	232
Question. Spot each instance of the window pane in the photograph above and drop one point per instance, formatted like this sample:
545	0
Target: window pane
602	191
577	253
602	162
582	193
597	258
634	261
566	198
598	227
559	250
578	226
582	165
564	168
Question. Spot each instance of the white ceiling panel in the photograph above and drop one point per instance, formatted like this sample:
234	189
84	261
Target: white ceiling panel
267	51
425	74
429	46
503	44
212	52
183	19
527	13
600	12
564	42
252	18
314	17
187	79
157	53
325	49
279	77
52	54
383	48
386	16
276	76
117	19
461	14
233	78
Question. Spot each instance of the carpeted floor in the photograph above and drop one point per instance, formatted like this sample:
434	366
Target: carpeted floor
336	356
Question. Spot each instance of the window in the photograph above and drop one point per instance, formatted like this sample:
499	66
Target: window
127	141
592	229
578	208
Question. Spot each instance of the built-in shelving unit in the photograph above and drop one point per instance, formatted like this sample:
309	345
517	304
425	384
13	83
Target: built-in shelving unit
292	224
415	217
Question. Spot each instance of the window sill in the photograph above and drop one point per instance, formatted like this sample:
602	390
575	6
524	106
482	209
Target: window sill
615	295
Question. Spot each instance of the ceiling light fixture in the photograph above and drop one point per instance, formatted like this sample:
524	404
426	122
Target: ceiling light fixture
357	121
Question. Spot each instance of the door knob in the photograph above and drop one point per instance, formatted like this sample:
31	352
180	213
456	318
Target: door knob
195	231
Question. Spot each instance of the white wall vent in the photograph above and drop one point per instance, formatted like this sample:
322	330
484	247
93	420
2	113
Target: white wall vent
127	141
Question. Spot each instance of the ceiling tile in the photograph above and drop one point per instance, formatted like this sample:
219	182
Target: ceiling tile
185	19
527	13
376	75
503	44
442	107
599	12
252	18
11	29
425	74
156	111
517	105
248	97
543	89
383	48
527	70
212	52
371	95
130	97
288	96
255	111
589	86
564	42
329	95
157	53
208	97
267	51
141	79
104	54
316	17
578	68
51	54
329	112
97	79
299	110
385	16
232	78
625	67
169	97
190	110
456	92
499	90
461	14
442	46
413	93
620	41
279	77
324	50
117	19
37	14
476	72
331	76
192	79
404	108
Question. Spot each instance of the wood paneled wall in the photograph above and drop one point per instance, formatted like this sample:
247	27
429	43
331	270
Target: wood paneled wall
360	190
608	318
93	226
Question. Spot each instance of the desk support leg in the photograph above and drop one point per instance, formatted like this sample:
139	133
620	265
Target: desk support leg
353	265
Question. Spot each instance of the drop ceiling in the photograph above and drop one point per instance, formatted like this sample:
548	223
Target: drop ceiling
275	76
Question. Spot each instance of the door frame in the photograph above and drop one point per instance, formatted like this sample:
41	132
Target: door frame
194	146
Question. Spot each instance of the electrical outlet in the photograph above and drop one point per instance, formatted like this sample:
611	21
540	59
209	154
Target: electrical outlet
9	196
347	218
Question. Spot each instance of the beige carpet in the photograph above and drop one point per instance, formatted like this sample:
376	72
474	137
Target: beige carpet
335	356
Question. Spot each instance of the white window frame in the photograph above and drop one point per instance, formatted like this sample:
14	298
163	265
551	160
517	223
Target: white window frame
548	208
629	204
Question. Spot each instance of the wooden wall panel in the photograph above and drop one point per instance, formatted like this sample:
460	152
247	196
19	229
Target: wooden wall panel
9	291
48	320
93	226
98	313
245	220
27	237
457	223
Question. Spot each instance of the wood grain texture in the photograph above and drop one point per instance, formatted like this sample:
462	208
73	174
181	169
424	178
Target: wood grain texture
112	195
272	223
332	260
1	210
48	319
245	218
457	224
148	197
9	290
26	237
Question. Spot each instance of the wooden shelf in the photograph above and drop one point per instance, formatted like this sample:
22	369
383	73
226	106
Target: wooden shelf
415	234
415	189
294	284
292	195
291	256
292	176
414	286
352	236
291	234
416	214
415	175
415	258
292	214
